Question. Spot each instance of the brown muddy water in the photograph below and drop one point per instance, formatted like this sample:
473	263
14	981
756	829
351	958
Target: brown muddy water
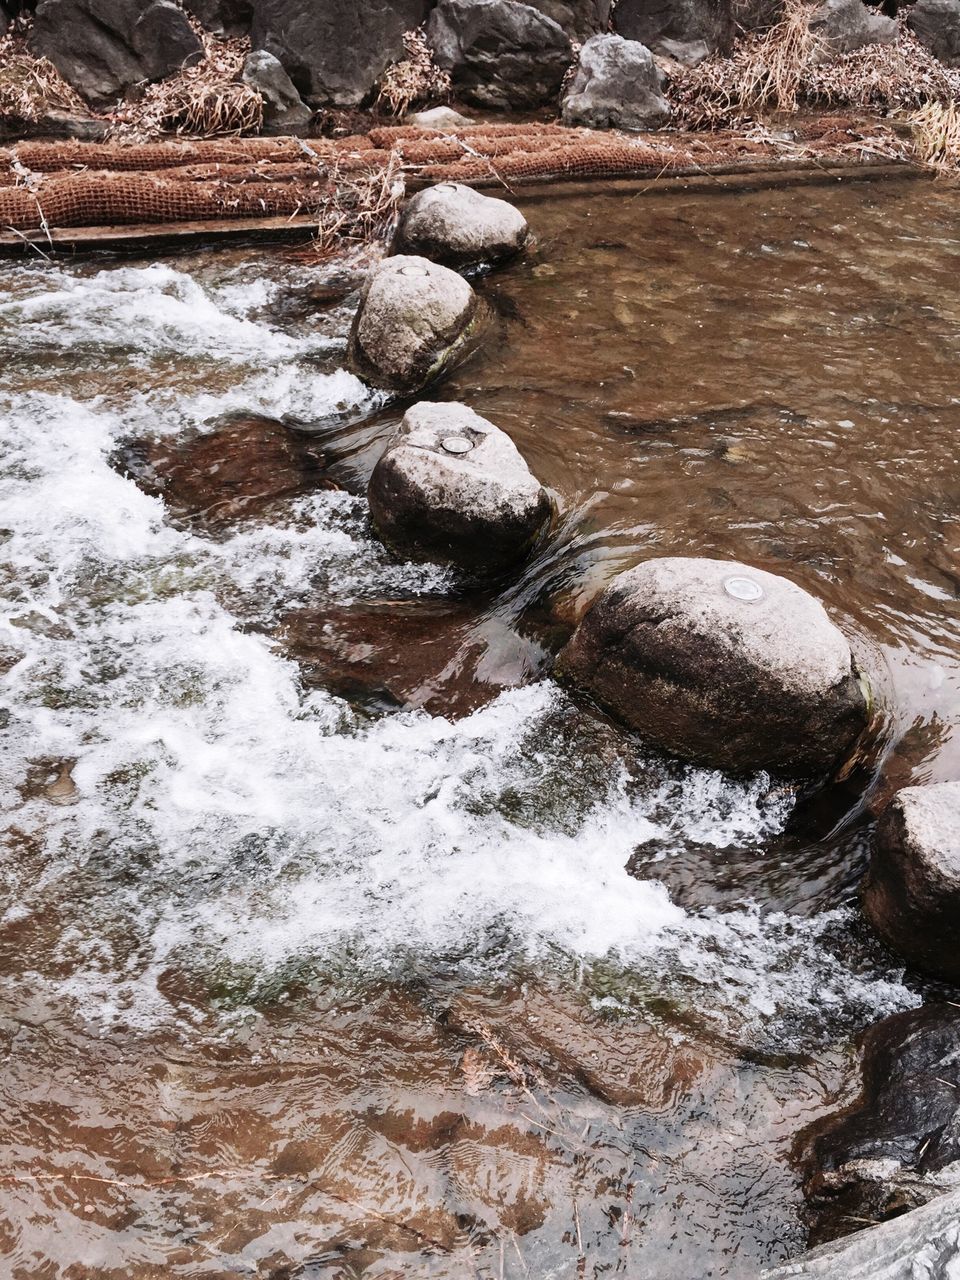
336	940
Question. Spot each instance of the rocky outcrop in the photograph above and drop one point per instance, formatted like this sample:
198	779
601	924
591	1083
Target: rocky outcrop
452	487
580	19
911	894
499	53
414	318
616	86
105	47
284	111
936	24
222	17
840	26
335	50
722	664
897	1147
687	30
922	1245
459	227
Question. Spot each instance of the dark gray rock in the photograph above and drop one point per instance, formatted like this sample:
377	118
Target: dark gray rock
840	26
580	19
413	320
616	86
911	894
284	111
922	1245
222	17
105	47
687	30
335	50
936	24
452	487
459	227
899	1144
499	53
720	663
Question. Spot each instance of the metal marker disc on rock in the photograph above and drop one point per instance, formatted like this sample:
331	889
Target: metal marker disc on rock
743	589
456	444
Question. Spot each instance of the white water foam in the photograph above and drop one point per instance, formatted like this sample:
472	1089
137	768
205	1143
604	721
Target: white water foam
230	823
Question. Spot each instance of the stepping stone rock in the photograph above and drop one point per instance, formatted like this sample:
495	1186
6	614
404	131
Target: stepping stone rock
460	227
616	86
452	487
722	664
936	24
912	892
415	317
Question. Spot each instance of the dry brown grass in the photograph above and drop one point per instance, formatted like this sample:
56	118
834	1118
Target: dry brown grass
363	206
31	87
417	79
936	136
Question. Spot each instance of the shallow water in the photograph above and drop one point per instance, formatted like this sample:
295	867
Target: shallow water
320	953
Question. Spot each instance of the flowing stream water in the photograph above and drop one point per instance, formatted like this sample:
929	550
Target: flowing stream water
335	939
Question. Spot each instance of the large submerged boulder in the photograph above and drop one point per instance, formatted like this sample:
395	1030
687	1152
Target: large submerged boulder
284	111
720	663
911	894
459	227
414	319
335	51
105	47
500	53
840	26
936	24
616	86
453	487
687	30
897	1147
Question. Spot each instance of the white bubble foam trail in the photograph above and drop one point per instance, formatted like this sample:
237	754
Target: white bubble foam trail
230	823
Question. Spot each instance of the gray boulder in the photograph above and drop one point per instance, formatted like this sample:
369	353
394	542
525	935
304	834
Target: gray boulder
686	30
222	17
440	119
105	47
335	51
840	26
720	663
499	53
616	86
284	111
921	1245
936	24
452	487
911	894
580	19
460	227
898	1146
414	318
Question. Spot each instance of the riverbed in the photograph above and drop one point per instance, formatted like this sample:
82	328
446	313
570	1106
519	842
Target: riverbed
336	939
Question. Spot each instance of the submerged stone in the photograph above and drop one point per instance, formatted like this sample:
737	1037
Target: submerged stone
459	227
722	664
452	487
616	86
912	891
414	318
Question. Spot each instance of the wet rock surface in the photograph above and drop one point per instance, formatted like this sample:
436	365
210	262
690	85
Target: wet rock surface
896	1147
452	487
413	320
454	225
104	47
936	24
687	30
616	86
911	894
840	26
499	53
334	51
720	663
233	471
284	111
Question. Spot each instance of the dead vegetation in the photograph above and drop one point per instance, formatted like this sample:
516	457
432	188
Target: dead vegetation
362	206
30	87
417	79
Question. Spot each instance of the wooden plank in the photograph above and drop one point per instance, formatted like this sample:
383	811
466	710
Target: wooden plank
149	234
